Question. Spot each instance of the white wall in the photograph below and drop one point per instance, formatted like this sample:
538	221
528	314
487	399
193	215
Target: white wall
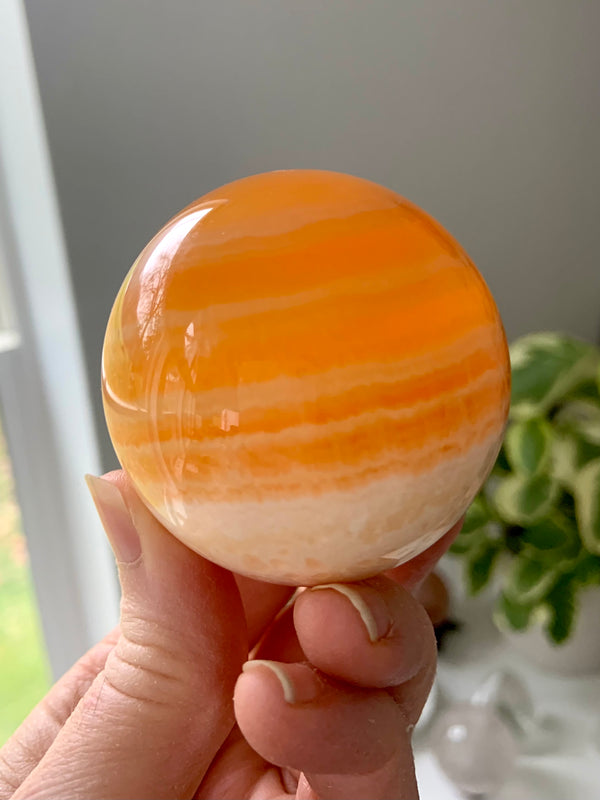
485	113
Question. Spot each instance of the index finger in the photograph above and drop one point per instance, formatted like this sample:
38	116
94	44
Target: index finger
30	742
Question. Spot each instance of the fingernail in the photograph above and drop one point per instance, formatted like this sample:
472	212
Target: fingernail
373	611
302	687
115	518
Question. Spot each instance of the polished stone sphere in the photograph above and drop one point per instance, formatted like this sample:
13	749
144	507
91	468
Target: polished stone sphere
305	377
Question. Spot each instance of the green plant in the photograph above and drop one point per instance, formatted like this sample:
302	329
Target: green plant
536	521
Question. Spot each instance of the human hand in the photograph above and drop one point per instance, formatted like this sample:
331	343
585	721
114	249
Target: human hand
161	707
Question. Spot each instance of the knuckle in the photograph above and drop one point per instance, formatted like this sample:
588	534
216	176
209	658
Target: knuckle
147	672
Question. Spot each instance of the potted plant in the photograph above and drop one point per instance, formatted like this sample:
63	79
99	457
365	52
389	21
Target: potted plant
535	525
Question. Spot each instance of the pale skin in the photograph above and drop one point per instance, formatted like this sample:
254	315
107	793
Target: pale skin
164	707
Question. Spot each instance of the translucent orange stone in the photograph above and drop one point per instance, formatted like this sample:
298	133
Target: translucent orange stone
305	377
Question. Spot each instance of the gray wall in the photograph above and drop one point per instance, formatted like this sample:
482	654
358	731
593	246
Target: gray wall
485	113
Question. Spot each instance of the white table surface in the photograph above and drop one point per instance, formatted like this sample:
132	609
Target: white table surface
572	771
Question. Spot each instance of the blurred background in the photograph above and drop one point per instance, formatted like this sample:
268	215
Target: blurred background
114	115
484	114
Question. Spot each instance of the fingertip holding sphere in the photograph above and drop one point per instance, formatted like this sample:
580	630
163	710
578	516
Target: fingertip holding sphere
305	377
367	634
297	718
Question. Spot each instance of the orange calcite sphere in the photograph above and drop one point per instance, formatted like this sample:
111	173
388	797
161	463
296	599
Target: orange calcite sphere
305	377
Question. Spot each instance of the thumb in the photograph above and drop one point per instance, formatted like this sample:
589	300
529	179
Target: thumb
154	718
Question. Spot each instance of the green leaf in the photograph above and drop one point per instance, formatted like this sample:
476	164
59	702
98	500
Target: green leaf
530	579
545	368
587	505
548	534
582	416
466	542
570	452
523	500
478	515
501	464
512	614
587	570
473	531
561	604
589	389
528	445
481	564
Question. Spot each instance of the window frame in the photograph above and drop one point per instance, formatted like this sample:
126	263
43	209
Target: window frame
44	399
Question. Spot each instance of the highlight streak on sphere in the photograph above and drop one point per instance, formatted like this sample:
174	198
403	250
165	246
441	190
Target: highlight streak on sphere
305	377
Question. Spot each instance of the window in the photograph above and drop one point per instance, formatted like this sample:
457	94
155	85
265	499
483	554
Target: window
45	408
24	677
